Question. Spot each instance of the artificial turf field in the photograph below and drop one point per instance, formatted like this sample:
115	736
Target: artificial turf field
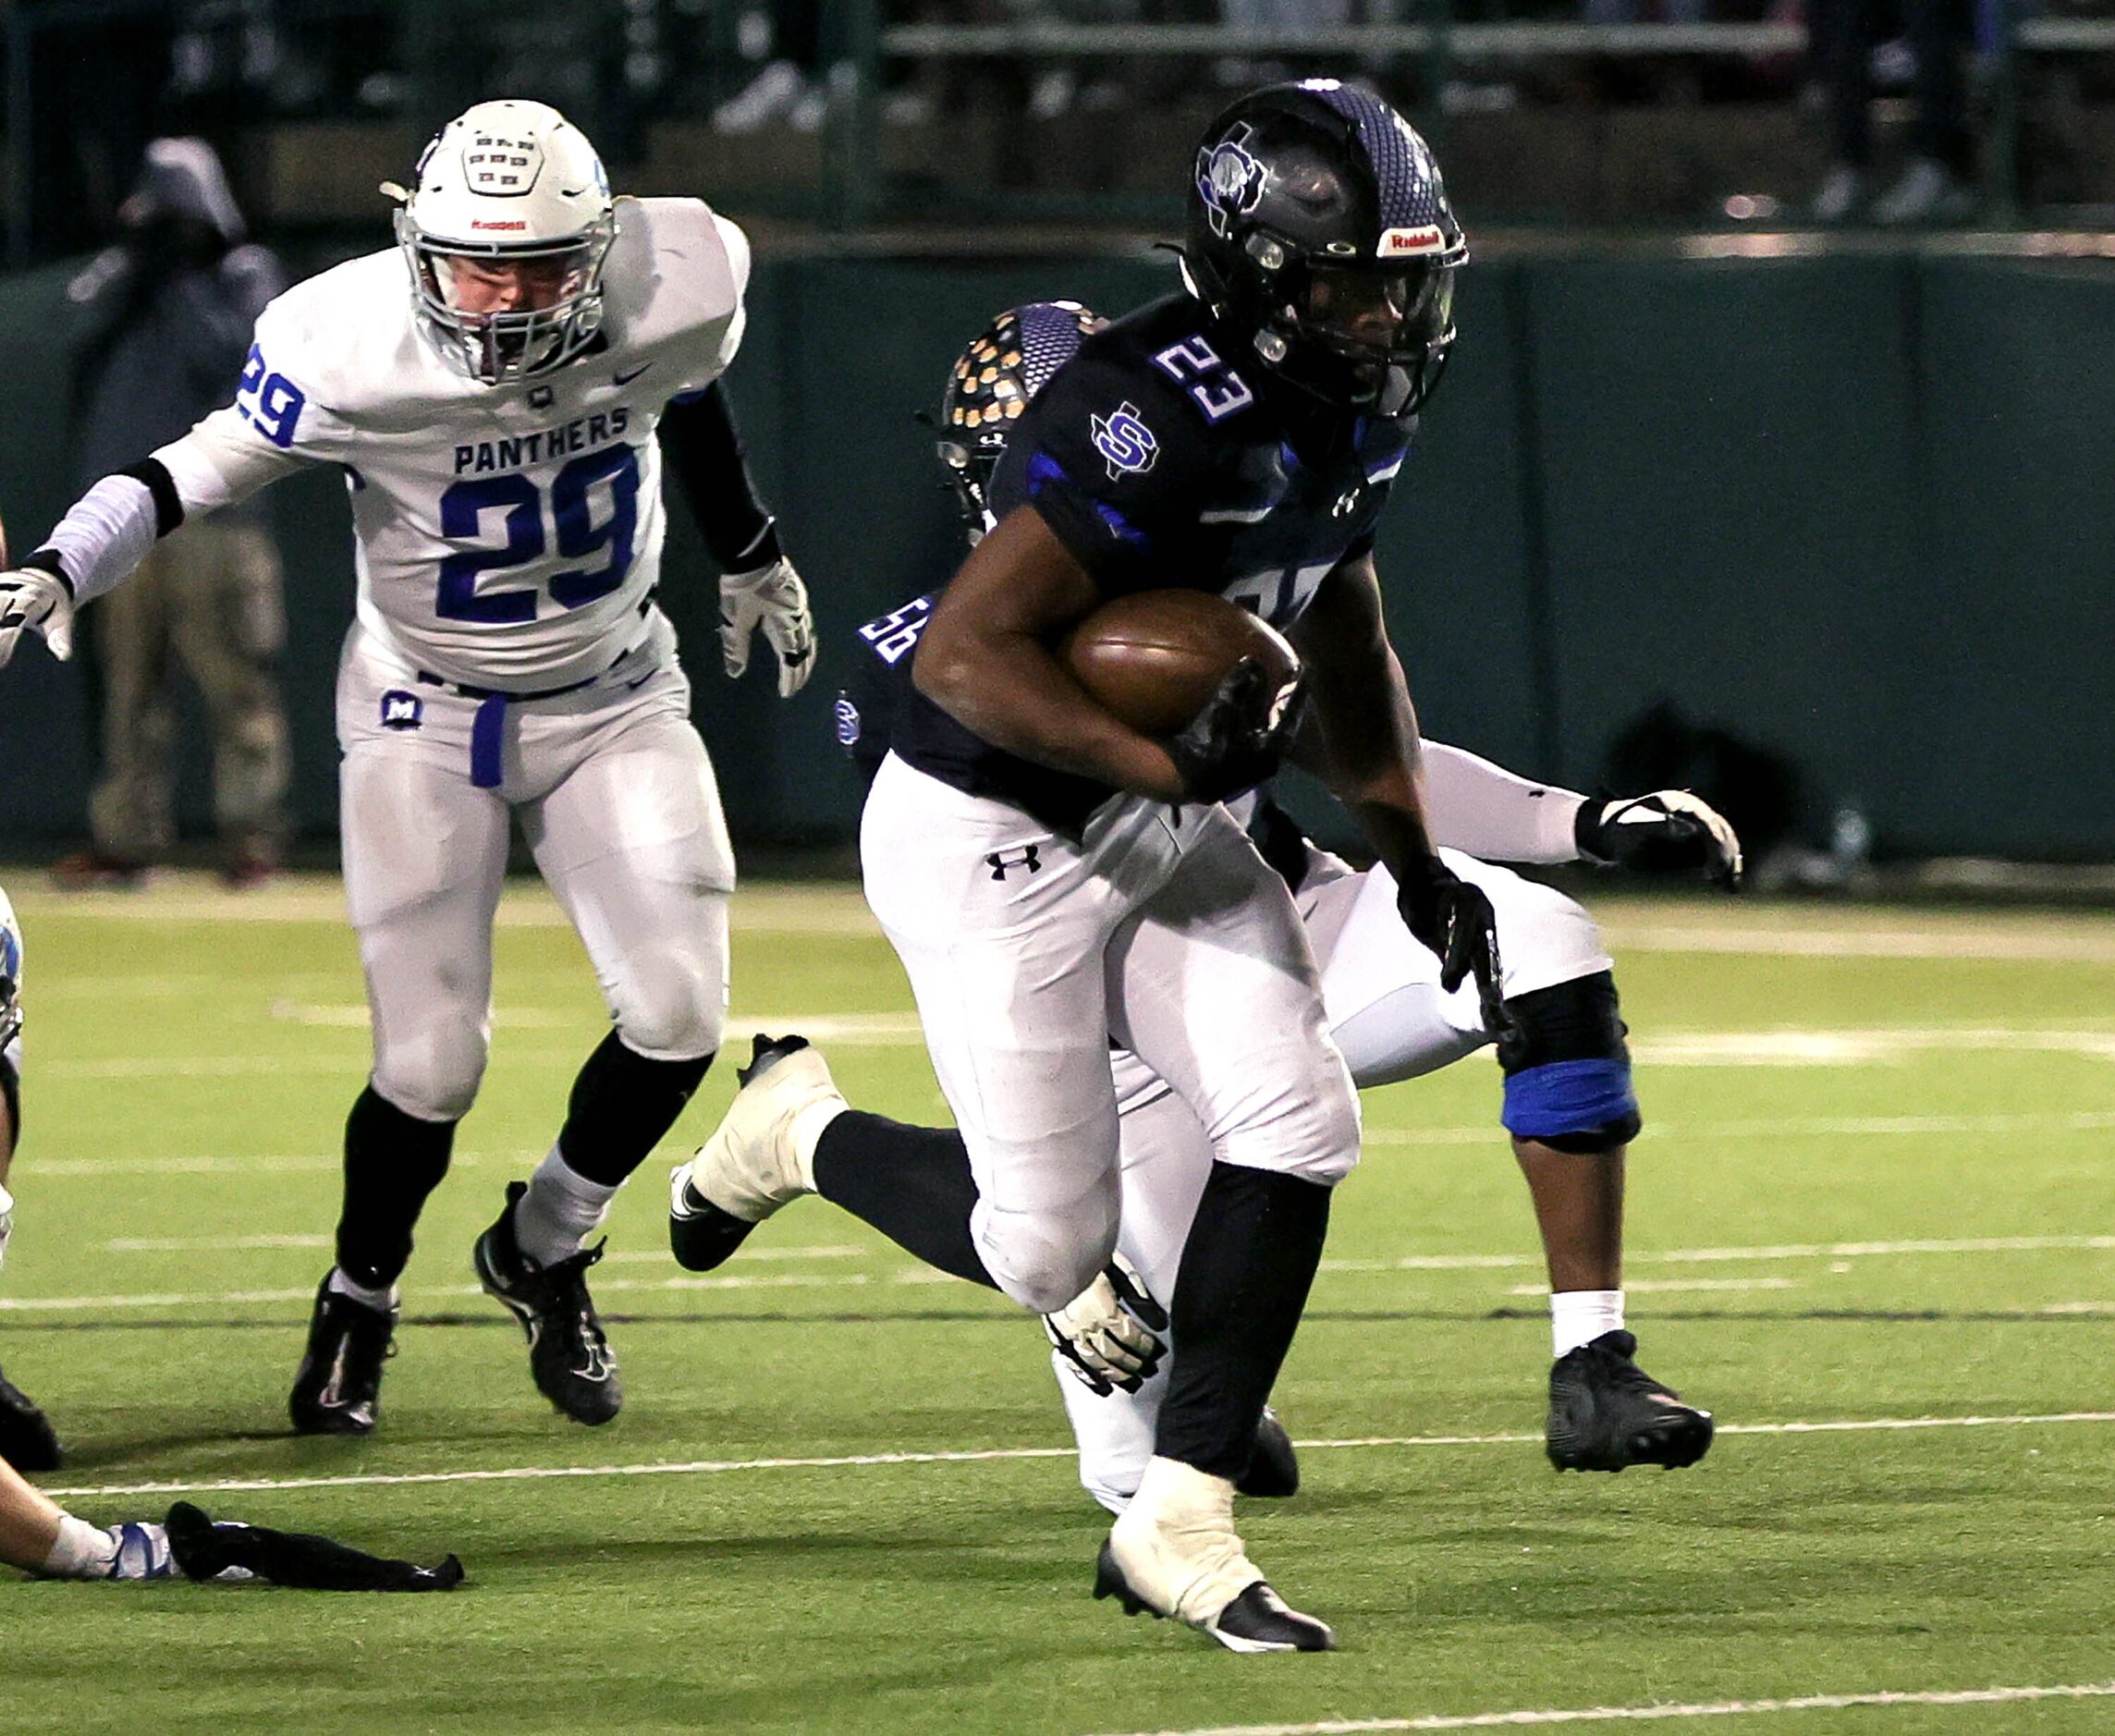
1875	1193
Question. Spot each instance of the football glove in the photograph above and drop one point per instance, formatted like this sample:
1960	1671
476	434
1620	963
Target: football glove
773	598
1110	1333
6	1222
1455	920
1668	831
1237	740
32	598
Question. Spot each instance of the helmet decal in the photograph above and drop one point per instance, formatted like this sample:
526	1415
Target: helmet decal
989	388
1229	180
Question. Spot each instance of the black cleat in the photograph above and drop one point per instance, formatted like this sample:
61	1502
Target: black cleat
1257	1621
205	1549
1605	1412
568	1354
27	1441
337	1389
1273	1467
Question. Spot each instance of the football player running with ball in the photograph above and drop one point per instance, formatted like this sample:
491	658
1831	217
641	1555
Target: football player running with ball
1568	1104
492	389
1053	879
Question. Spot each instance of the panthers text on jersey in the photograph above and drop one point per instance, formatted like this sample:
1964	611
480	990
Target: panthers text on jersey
1159	463
507	536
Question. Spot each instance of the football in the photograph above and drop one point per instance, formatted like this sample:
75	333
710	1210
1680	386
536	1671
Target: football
1155	657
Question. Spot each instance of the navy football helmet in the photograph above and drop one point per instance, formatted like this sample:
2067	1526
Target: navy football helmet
989	387
1320	234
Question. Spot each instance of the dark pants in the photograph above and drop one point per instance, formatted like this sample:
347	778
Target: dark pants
1843	35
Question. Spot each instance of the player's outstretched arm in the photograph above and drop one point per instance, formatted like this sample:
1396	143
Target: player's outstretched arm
984	660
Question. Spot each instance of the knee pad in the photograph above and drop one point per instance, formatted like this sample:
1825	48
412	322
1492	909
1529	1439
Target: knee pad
671	1006
433	1073
1568	1068
1042	1261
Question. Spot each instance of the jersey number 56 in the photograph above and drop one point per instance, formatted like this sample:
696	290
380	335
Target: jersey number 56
575	534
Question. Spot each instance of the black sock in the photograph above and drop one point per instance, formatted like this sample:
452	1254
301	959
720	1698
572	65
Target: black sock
392	1162
621	1105
1246	1268
911	1184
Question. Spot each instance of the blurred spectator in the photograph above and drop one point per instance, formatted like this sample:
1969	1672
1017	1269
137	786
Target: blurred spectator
790	84
167	311
1843	35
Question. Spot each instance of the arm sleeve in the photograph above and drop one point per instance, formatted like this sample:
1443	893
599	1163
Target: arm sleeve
705	455
109	530
1485	811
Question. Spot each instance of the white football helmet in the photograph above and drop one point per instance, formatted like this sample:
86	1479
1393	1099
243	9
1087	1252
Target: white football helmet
10	972
509	181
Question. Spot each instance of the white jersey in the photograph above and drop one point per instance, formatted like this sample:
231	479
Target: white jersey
505	536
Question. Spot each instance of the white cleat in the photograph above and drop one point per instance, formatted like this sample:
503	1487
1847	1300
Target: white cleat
760	1157
1174	1552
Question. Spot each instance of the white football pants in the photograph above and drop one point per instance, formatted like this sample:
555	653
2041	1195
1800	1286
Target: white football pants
1393	1022
619	805
1027	952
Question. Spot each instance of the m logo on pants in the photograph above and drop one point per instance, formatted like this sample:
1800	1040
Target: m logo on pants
401	710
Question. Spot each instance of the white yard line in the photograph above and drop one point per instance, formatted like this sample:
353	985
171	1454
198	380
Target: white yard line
1657	1714
719	1467
913	1274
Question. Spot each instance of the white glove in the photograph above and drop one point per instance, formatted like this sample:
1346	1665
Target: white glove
1668	830
31	598
6	1222
1110	1331
773	598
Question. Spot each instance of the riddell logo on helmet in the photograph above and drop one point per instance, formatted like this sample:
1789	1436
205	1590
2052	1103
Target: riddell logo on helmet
1398	243
479	223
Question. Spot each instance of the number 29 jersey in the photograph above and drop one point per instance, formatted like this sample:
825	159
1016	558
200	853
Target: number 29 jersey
505	536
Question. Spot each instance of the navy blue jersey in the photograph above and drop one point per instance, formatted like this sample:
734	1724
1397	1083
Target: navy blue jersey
1160	462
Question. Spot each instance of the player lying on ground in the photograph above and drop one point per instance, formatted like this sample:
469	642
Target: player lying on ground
492	390
1050	876
1386	1013
39	1536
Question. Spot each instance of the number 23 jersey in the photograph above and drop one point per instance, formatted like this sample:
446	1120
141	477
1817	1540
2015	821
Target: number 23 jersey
505	536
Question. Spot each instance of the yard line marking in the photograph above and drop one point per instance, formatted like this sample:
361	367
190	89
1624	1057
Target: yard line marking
1653	1714
221	1244
923	1275
1856	1046
1655	1286
172	1299
2079	945
1794	1126
850	1461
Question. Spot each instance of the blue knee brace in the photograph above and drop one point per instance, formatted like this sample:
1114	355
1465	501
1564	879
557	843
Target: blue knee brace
1568	1073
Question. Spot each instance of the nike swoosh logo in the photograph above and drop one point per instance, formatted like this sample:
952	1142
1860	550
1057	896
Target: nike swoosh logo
625	379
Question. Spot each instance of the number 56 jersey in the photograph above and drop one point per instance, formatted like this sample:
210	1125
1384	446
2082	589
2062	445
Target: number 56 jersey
505	536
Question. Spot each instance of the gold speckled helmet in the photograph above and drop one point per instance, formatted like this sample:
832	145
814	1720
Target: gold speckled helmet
991	385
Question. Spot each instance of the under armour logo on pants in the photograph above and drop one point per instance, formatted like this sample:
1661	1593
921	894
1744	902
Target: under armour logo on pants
1025	857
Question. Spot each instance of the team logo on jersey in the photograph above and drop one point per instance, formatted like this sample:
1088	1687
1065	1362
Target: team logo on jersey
1125	441
1229	181
1002	861
401	710
846	714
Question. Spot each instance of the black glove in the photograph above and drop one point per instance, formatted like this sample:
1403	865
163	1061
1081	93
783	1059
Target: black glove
1670	831
205	1549
1237	740
1455	920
